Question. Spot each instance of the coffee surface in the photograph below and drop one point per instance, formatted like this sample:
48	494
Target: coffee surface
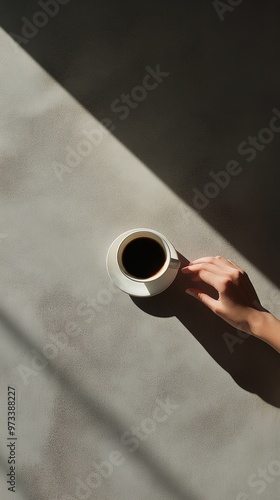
143	257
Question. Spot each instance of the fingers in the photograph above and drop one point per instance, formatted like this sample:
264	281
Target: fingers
203	297
217	261
207	272
208	277
219	266
236	266
216	271
207	266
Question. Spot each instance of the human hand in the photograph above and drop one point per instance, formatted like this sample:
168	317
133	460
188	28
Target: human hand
237	301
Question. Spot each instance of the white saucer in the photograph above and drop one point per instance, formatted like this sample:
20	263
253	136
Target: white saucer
136	288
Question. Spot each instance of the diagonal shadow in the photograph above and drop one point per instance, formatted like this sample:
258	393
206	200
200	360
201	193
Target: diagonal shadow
253	364
223	83
108	418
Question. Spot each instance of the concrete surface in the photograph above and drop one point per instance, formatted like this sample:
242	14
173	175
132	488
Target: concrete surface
91	366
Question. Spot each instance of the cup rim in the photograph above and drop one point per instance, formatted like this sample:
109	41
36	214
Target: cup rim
159	239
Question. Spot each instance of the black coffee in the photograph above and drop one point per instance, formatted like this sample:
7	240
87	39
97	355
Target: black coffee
143	257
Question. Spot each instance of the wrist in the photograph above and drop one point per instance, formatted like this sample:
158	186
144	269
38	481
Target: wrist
258	322
265	326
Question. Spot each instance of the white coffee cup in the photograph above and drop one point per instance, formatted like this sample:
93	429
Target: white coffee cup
138	286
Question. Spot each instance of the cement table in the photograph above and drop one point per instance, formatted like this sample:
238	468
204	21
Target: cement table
114	117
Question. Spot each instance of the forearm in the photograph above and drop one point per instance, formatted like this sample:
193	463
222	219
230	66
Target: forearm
266	327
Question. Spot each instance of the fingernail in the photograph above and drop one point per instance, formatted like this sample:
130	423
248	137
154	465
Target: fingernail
185	269
189	291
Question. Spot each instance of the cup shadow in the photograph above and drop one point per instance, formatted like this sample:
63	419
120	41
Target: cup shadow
253	364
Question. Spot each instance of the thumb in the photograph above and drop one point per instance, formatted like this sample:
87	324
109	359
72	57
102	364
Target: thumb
202	297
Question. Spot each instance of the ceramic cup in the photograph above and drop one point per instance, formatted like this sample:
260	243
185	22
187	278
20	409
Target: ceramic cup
150	285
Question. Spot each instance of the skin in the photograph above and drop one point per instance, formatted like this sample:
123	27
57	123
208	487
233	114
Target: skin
238	303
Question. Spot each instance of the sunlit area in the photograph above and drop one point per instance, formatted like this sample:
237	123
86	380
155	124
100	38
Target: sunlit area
139	247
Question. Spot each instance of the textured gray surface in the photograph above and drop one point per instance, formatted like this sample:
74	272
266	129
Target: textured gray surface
114	358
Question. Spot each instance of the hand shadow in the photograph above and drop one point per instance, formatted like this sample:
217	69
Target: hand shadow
253	364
